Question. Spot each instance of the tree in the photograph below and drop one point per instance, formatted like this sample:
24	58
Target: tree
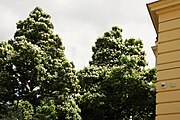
111	50
128	95
7	94
34	68
117	74
92	97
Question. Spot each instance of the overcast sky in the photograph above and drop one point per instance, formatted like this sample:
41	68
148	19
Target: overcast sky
80	22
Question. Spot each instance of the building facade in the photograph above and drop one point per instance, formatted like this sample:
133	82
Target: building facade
165	15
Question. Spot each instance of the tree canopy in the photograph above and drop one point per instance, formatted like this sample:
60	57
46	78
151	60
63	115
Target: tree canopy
37	82
35	69
116	85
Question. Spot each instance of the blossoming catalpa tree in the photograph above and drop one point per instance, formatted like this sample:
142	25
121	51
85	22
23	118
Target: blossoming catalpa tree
35	71
117	85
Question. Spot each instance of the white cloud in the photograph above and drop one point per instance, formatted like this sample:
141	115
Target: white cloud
7	23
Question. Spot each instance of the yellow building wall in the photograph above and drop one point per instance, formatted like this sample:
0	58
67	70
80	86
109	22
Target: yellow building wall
168	66
165	15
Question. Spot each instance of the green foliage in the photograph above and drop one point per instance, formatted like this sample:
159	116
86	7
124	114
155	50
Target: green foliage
26	109
19	111
12	115
128	94
91	102
33	68
37	82
112	50
46	111
69	110
116	85
6	83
